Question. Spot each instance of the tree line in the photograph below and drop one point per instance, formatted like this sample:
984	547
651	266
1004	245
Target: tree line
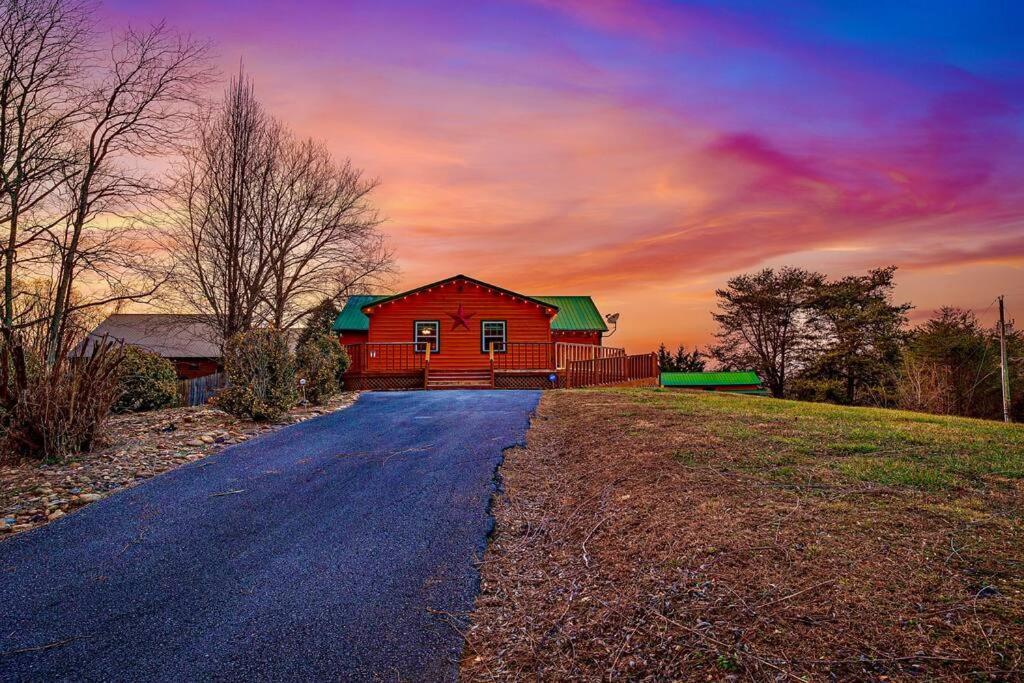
248	222
847	341
122	180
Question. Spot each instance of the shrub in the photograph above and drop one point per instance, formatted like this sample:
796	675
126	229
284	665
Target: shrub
318	321
260	374
147	381
51	412
321	362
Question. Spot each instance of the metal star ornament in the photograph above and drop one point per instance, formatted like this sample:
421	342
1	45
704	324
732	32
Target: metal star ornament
460	318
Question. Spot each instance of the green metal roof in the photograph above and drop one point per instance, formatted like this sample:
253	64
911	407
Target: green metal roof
709	379
352	318
575	313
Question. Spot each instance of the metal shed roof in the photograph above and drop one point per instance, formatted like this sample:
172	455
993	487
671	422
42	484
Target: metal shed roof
575	313
352	318
710	379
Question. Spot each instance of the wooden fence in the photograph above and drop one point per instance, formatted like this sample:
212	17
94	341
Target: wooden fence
196	392
566	353
635	370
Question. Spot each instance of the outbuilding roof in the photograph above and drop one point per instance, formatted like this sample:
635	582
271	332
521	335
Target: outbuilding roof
710	379
169	335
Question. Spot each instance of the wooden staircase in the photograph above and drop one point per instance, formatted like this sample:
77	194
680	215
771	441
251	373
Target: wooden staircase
459	379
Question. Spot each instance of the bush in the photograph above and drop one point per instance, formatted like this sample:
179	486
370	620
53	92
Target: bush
52	412
147	381
319	320
816	390
321	362
260	375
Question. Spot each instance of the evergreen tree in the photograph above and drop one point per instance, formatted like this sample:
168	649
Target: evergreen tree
318	321
688	362
859	330
665	360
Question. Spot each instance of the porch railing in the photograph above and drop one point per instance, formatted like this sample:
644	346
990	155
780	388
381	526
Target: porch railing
387	356
524	356
612	370
412	357
566	352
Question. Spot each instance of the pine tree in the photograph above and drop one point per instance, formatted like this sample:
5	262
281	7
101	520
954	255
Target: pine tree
688	362
665	360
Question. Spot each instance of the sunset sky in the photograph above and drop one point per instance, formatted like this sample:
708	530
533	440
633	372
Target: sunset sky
643	152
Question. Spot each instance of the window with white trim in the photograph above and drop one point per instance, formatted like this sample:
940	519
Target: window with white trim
492	331
427	332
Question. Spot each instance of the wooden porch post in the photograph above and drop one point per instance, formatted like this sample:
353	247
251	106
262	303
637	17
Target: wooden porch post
426	366
490	353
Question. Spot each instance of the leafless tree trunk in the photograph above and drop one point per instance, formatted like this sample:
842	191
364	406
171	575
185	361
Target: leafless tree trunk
266	226
75	122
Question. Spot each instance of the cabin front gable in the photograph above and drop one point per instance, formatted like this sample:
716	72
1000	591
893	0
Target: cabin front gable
465	315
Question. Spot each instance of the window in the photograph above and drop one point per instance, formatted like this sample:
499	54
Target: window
492	331
427	332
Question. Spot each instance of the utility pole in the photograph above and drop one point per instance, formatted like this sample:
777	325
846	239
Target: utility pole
1004	367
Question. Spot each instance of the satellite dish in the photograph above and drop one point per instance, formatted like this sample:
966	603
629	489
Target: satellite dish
612	318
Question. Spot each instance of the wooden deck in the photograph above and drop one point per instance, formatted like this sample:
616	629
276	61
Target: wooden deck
519	365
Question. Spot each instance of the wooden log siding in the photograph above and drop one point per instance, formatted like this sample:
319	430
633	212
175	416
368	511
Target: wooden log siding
637	369
460	348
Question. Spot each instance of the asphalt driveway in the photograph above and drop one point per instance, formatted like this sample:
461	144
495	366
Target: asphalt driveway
328	550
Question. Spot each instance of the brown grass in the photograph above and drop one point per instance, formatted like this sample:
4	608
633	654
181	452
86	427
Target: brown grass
647	535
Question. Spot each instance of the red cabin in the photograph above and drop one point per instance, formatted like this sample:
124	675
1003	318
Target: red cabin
461	332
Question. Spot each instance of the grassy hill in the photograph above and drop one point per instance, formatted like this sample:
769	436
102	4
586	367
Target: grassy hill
687	535
797	441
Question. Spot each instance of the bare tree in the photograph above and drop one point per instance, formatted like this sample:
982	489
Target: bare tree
265	226
43	57
216	233
763	322
321	231
76	124
139	107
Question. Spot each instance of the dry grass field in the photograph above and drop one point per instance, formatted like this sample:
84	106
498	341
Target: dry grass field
644	534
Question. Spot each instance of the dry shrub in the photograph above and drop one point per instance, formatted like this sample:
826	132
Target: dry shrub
321	362
261	375
52	412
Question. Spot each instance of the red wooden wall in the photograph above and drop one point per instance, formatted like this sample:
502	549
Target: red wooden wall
577	337
460	348
352	338
190	368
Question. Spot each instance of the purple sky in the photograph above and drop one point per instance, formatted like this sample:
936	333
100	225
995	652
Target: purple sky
643	152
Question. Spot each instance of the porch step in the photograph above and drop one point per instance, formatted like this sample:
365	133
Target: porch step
459	379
